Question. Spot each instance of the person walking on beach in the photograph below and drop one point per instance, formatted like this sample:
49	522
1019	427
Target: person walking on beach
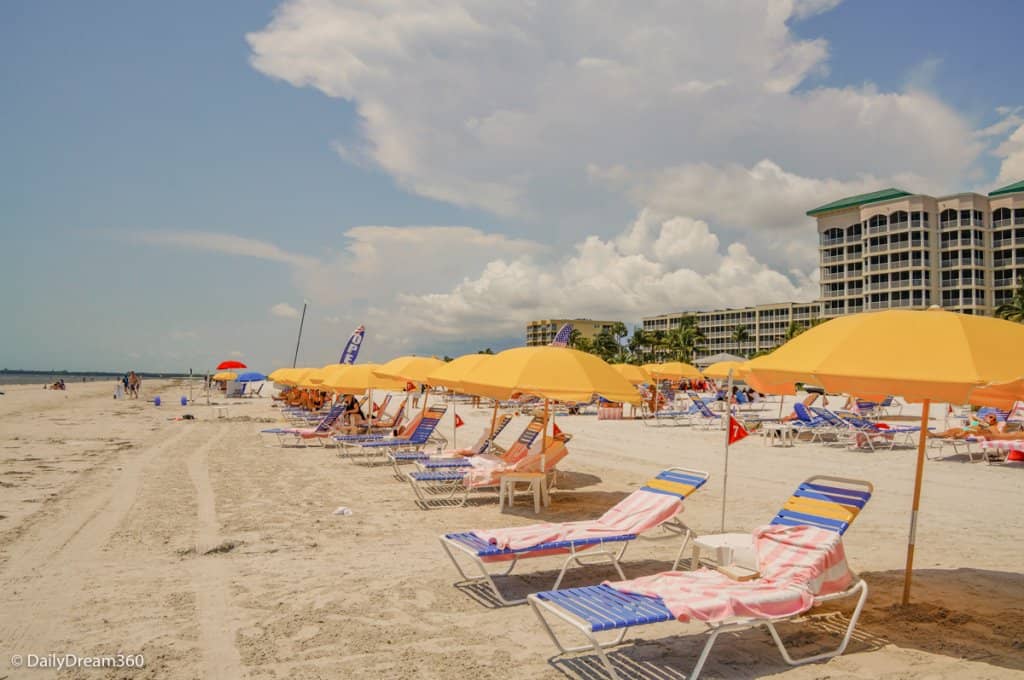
133	384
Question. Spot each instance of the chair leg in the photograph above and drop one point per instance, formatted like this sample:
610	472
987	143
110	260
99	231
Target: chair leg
854	617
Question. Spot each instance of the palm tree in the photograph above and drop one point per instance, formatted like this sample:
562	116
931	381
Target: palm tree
740	335
574	338
1013	309
685	340
638	345
606	346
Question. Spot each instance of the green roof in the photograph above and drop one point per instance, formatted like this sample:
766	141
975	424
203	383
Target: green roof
858	200
1008	189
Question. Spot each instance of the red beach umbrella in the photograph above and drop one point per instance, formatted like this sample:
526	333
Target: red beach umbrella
230	364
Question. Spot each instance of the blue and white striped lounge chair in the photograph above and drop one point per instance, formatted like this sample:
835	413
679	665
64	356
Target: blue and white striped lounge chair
426	432
821	501
440	487
450	459
680	482
592	610
864	432
293	435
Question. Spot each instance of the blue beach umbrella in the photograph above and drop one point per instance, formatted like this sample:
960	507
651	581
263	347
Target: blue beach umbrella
251	376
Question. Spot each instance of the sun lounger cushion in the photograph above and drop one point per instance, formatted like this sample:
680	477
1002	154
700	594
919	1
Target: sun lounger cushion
796	564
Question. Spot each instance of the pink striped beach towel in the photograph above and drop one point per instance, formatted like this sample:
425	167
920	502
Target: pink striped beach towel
635	514
796	564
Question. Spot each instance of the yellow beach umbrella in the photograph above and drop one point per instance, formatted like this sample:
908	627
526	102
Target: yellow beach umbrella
919	355
276	375
636	375
411	368
721	369
224	376
1001	395
451	374
672	370
357	379
557	373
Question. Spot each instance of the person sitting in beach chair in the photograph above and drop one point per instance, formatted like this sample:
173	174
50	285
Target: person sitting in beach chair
808	402
976	427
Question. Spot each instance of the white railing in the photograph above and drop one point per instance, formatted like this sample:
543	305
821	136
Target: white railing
1002	223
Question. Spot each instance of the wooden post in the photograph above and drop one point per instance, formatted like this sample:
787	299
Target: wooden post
922	442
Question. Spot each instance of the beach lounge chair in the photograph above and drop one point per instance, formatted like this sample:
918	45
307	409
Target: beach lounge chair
864	432
451	458
299	435
822	501
425	433
798	568
379	429
604	540
453	486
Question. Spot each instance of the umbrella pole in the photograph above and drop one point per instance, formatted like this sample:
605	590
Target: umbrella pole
728	431
494	418
911	540
455	419
544	437
369	421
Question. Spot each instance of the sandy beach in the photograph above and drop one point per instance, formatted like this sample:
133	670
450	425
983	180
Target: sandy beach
126	530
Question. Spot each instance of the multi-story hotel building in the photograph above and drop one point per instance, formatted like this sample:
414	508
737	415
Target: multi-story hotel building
543	331
891	248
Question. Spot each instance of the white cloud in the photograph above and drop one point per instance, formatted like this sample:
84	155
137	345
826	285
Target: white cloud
332	320
235	353
656	265
1012	153
227	244
504	106
179	335
284	311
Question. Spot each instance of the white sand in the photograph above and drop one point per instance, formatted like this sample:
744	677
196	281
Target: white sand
125	531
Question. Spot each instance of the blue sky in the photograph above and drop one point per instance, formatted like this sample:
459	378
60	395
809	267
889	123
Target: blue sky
489	177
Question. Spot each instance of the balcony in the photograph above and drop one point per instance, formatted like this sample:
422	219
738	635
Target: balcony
878	305
899	264
1002	223
878	229
878	248
833	241
833	276
917	223
946	224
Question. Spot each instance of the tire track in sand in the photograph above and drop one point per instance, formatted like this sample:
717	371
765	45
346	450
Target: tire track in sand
210	577
44	576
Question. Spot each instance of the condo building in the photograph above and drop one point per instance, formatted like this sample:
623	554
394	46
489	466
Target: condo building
886	249
543	331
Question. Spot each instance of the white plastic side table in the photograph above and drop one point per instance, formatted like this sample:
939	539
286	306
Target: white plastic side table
537	485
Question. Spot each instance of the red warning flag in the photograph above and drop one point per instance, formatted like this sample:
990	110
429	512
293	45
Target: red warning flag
458	421
736	430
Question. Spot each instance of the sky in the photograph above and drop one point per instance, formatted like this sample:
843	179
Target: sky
177	179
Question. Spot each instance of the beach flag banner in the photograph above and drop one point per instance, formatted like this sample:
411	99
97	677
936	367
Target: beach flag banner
736	430
562	336
458	421
555	430
351	351
376	407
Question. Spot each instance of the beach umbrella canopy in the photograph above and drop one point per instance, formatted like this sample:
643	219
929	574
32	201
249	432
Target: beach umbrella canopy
290	376
636	375
557	373
919	355
451	374
410	368
933	354
224	376
251	376
672	370
721	369
356	379
1001	395
230	364
311	377
277	374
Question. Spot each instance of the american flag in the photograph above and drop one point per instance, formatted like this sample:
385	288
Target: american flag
562	336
